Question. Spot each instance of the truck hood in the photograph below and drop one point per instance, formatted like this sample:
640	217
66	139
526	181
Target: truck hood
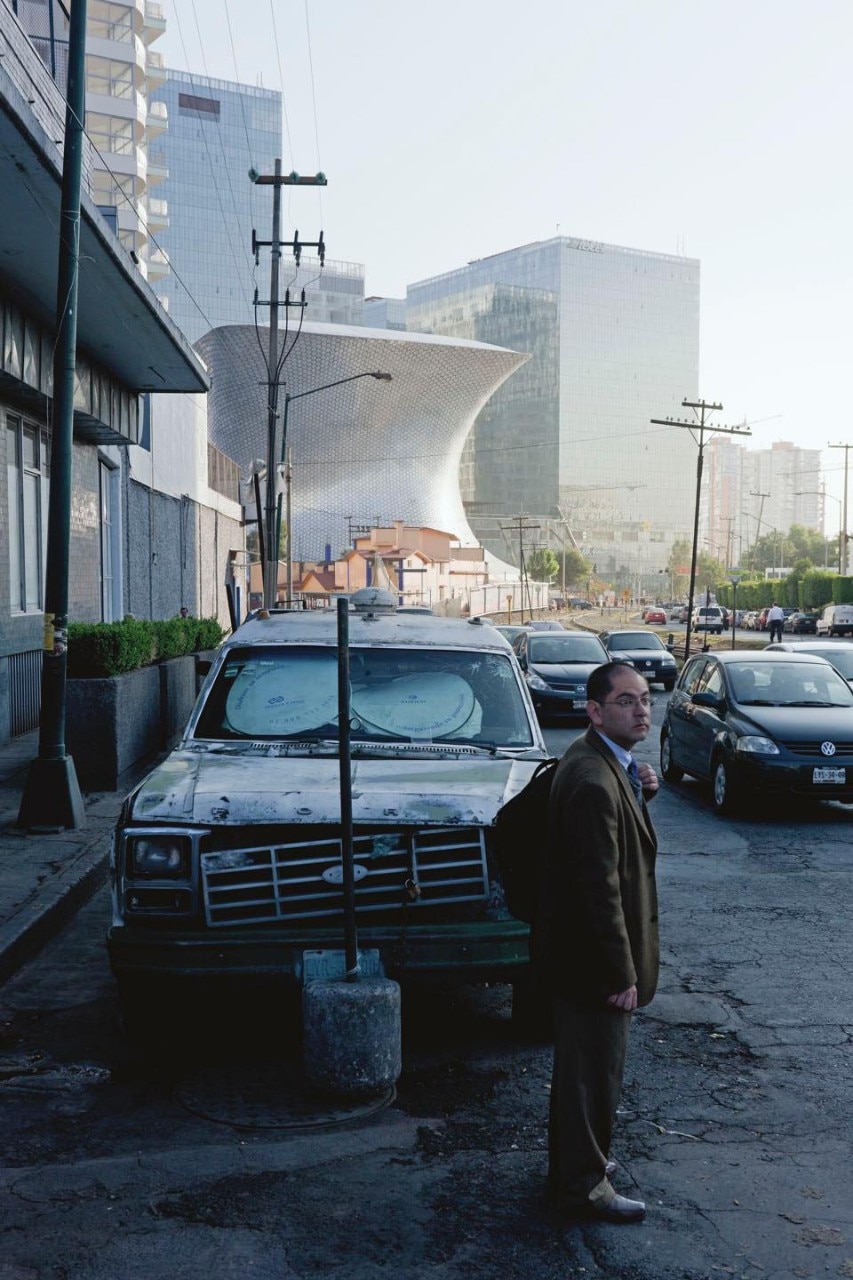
238	790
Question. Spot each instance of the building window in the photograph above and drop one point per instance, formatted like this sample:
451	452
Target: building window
108	480
110	21
190	104
27	472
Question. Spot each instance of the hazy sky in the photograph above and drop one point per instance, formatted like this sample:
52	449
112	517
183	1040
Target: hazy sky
453	129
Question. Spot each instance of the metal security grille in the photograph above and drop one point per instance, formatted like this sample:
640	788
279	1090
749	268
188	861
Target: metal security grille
24	692
286	882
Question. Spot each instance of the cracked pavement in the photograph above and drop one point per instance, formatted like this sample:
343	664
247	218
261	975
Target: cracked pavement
734	1126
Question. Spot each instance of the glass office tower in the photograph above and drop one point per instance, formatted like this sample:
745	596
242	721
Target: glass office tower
217	132
613	338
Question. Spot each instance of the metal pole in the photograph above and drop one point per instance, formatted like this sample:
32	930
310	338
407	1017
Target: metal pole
51	797
271	568
288	519
345	763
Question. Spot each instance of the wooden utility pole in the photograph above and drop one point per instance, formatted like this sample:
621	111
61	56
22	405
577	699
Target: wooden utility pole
700	408
521	525
275	361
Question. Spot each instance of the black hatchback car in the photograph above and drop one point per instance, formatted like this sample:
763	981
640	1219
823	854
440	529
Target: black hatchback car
556	667
645	651
758	723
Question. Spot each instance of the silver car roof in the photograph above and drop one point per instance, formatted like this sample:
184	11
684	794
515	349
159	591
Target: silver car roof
417	630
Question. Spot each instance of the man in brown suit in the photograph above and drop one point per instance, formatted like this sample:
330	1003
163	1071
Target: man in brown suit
596	938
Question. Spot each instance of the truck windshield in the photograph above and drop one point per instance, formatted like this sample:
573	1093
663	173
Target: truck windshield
402	694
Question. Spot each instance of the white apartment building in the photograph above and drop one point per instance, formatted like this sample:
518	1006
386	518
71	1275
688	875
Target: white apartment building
122	68
747	493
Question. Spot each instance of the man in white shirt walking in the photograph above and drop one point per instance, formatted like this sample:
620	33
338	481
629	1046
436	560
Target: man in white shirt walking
775	618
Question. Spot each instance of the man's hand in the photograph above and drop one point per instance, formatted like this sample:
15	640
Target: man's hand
649	780
626	1000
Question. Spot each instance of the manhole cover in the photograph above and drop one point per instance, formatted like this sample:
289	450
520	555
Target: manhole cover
269	1096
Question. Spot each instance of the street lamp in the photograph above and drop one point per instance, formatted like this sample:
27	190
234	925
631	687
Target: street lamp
734	579
274	511
821	493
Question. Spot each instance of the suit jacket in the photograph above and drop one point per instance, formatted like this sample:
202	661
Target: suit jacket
596	933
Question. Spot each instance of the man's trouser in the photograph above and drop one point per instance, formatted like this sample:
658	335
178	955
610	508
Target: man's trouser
590	1047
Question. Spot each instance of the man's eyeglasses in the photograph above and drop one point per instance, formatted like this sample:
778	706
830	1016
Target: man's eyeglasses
625	701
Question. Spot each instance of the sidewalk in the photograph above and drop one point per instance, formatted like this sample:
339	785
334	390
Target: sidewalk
44	878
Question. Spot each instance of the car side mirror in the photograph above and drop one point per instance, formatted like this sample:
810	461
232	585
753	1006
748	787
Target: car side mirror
710	700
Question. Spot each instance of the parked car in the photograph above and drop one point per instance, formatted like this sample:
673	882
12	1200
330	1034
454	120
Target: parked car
836	620
644	650
838	652
226	862
801	624
749	620
709	617
509	632
556	668
760	722
676	612
683	613
577	603
656	616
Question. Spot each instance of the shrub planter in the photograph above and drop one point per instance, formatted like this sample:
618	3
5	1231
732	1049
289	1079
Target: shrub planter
115	722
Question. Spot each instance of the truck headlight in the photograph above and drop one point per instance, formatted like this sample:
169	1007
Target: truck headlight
152	857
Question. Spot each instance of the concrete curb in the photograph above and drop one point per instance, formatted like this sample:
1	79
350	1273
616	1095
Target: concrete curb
48	909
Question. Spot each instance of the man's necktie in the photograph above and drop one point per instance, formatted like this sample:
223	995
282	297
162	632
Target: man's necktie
634	779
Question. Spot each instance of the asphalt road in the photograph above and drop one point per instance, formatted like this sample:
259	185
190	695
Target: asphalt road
734	1125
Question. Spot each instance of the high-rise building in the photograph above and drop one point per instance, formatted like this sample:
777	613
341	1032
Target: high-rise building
749	493
122	69
613	336
218	131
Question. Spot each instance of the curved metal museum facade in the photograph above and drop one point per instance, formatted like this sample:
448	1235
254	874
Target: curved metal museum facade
368	452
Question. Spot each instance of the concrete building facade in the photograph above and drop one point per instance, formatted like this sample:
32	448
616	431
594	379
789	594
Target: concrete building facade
127	349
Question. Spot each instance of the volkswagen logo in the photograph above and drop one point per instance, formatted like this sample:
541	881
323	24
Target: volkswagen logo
827	748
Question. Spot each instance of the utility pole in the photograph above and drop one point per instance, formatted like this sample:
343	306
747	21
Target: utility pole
275	362
700	408
51	799
520	525
756	493
842	537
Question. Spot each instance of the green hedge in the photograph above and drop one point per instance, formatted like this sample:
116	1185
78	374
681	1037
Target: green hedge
110	648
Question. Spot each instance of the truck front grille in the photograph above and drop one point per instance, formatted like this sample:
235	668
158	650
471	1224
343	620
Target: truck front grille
393	867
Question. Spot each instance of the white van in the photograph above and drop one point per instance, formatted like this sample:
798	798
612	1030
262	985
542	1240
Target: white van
836	620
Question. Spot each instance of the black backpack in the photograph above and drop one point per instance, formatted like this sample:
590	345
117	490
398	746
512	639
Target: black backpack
521	828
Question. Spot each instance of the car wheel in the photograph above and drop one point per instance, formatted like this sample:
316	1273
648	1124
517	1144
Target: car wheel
724	789
668	686
668	767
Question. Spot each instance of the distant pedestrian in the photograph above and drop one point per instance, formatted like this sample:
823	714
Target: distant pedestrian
596	936
185	613
775	618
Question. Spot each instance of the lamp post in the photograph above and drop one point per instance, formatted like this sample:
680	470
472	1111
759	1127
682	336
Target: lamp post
821	493
285	467
734	579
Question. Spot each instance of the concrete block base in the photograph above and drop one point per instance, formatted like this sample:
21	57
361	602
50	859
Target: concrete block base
351	1036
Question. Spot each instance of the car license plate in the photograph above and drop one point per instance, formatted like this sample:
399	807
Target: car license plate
579	703
829	775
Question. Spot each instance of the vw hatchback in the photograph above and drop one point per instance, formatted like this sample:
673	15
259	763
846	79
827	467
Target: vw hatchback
760	723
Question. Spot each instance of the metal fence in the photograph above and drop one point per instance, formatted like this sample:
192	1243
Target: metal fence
24	691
